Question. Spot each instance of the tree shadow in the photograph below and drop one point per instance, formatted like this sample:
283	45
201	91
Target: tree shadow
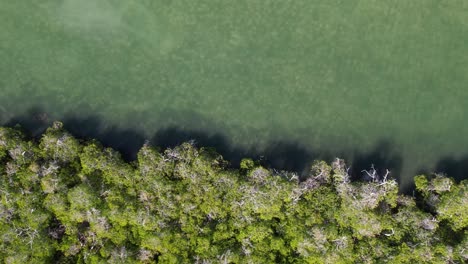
453	167
127	141
382	157
278	154
33	122
173	136
291	156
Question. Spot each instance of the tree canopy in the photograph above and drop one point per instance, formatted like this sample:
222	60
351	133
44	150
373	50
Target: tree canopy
69	201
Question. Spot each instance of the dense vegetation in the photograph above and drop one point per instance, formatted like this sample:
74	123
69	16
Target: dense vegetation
70	201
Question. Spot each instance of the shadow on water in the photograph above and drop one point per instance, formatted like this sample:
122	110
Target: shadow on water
292	156
126	141
279	154
33	122
456	168
382	157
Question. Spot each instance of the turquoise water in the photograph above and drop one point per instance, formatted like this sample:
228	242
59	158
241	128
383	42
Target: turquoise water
348	78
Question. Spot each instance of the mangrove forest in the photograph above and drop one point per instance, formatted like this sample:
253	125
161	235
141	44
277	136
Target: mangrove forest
67	200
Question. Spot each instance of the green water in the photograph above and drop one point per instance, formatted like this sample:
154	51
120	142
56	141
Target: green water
335	77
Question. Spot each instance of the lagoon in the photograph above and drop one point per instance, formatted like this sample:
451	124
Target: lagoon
381	82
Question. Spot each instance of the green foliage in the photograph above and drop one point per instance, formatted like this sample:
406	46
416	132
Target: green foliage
67	201
421	183
59	145
247	164
448	200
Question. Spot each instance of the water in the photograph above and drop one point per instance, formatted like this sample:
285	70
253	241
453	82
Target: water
372	81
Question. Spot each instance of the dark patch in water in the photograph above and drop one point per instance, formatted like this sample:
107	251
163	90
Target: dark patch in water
280	154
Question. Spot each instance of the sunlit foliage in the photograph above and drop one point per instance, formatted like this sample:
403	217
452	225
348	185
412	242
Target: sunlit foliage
67	201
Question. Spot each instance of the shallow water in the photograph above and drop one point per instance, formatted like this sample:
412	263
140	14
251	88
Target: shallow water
374	81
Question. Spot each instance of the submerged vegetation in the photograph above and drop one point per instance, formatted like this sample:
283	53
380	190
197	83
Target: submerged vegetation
70	201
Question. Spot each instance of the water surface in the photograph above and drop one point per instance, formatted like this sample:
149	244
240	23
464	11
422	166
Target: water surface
359	79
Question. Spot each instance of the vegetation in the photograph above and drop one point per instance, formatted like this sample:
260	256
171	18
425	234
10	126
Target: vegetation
69	201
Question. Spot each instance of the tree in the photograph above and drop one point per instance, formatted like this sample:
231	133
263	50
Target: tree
68	201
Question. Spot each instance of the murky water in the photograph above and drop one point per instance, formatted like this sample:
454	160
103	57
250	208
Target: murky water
367	80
